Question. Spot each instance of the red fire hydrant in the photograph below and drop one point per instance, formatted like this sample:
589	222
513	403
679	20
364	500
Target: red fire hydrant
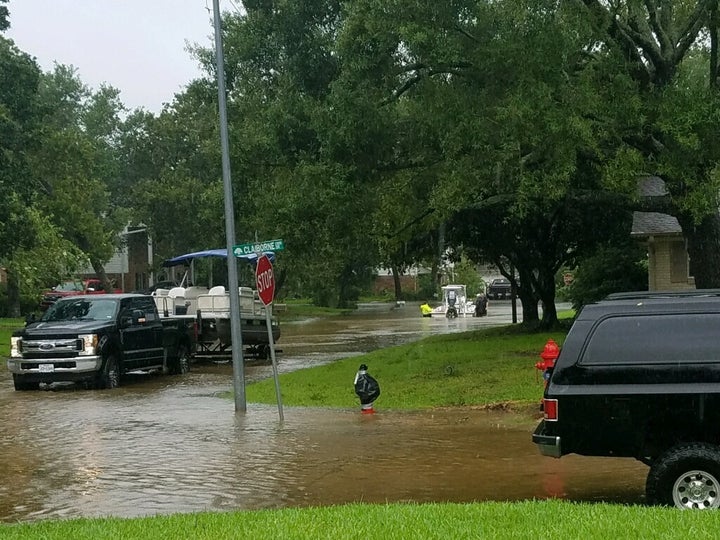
548	355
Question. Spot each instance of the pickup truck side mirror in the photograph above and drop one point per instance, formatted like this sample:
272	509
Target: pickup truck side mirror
138	316
30	318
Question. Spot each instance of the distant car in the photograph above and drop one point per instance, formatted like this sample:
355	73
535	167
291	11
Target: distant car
73	287
499	288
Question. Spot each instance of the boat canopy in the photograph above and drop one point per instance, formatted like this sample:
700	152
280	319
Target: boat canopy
189	257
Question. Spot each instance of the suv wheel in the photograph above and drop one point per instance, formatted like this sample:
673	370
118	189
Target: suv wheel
686	476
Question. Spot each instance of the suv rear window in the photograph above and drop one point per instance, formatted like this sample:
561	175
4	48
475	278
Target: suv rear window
654	339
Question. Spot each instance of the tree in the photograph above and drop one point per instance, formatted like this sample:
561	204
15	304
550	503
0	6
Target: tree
75	158
18	123
4	16
680	106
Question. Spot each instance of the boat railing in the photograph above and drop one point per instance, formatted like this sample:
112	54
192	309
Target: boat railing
213	302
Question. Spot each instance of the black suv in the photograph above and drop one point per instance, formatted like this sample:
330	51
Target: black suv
499	288
639	376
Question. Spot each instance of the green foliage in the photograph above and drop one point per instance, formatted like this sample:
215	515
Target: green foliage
611	269
50	260
358	130
18	123
76	160
4	16
465	272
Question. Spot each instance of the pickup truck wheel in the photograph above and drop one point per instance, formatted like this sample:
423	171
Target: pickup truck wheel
181	363
110	376
686	476
22	385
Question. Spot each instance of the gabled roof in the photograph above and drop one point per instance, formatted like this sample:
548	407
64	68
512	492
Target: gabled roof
654	223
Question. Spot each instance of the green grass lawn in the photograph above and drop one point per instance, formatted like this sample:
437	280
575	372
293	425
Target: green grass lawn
6	329
493	520
481	368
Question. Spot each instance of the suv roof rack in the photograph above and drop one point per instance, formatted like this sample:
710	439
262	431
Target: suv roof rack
686	293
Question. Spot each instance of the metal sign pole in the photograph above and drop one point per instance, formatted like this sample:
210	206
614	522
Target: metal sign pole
265	283
235	331
274	363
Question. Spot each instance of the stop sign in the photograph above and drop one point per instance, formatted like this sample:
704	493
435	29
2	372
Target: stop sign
265	280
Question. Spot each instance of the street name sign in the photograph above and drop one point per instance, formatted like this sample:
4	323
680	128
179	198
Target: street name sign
258	247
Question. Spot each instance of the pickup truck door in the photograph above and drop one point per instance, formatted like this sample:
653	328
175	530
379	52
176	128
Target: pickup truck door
141	334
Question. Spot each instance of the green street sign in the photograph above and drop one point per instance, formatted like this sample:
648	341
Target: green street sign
258	247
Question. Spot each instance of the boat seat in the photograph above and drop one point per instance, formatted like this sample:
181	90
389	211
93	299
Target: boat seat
191	298
160	292
216	290
176	292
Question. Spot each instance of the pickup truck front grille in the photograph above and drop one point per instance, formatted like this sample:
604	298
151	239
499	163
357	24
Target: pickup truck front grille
56	365
51	348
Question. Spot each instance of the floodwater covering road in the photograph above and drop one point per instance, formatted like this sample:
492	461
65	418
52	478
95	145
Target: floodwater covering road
162	445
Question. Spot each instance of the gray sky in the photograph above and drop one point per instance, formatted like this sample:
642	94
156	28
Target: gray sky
137	46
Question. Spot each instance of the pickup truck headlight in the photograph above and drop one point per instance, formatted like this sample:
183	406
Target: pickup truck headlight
89	344
15	347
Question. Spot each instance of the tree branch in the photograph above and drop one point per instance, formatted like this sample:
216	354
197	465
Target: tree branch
695	23
423	71
466	34
657	27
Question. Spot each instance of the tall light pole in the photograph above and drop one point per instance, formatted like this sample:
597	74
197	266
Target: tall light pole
235	331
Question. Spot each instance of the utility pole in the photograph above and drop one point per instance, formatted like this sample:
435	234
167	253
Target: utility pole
235	331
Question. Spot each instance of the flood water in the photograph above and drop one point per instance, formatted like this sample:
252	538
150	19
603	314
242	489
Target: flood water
162	445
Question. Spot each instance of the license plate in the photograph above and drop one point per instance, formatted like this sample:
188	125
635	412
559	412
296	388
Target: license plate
46	368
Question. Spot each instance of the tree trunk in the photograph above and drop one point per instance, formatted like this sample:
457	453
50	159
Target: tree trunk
529	304
13	294
703	246
102	276
396	282
346	283
546	292
527	297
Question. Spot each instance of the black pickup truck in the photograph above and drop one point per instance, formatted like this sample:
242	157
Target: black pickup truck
96	340
639	376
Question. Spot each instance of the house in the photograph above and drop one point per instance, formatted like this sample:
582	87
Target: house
384	282
130	269
668	261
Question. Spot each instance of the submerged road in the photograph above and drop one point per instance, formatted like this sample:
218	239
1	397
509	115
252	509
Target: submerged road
162	445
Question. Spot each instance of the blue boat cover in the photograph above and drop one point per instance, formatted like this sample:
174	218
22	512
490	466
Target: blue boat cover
186	259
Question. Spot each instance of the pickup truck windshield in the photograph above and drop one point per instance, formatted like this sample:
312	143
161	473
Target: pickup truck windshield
84	308
69	286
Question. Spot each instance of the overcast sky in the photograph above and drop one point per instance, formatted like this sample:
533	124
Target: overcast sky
137	46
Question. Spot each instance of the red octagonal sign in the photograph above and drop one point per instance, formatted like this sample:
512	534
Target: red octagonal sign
265	280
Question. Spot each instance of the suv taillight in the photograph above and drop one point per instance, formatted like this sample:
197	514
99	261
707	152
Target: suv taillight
550	409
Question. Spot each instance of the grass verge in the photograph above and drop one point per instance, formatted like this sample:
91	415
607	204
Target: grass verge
496	520
485	368
7	326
